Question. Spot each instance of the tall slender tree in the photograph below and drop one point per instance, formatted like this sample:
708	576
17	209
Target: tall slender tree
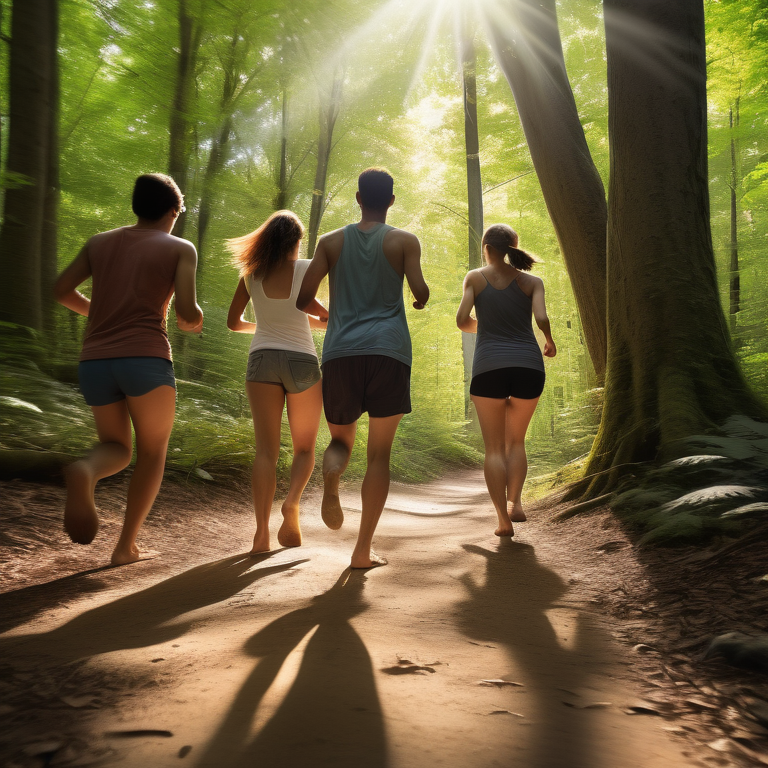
528	49
330	106
474	185
734	293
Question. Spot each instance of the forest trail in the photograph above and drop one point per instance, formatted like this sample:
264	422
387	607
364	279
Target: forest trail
292	660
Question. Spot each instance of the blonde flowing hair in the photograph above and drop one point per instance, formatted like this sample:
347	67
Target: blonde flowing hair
259	252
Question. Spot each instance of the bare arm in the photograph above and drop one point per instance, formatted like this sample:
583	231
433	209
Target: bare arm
412	269
542	320
189	316
65	289
235	320
464	320
314	275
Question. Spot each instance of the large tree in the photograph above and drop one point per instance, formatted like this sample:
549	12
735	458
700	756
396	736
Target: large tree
31	87
528	49
671	369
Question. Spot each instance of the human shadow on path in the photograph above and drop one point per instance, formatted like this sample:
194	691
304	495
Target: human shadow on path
146	617
331	716
509	610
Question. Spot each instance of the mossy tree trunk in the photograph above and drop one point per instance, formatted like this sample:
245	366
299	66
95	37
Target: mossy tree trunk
671	369
474	189
528	49
29	134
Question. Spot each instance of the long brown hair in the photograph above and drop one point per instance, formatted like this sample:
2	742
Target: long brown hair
504	239
258	253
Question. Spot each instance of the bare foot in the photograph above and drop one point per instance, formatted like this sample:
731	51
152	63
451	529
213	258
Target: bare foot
260	543
515	512
330	509
372	561
132	554
81	521
289	534
505	526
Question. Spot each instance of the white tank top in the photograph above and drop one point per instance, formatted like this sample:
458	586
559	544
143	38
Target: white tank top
279	325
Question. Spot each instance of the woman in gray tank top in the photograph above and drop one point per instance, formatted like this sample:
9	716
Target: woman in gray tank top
508	367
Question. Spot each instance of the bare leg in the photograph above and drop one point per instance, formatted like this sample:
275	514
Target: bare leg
112	454
304	420
335	460
518	416
152	416
267	401
490	414
381	435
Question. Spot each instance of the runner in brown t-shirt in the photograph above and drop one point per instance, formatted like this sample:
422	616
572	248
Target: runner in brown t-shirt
125	370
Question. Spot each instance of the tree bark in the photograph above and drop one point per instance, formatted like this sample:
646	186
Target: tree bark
474	191
671	369
281	196
49	246
329	112
735	278
28	136
182	117
527	46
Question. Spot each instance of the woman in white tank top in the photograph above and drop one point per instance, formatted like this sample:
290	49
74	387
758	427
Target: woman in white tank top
282	365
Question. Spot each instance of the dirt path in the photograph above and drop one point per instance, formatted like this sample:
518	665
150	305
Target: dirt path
291	660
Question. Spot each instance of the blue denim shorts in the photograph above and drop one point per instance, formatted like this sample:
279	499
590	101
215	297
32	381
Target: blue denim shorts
111	379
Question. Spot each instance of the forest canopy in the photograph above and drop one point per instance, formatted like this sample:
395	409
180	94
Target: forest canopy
258	106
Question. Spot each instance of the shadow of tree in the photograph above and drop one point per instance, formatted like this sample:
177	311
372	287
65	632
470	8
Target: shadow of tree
331	715
510	609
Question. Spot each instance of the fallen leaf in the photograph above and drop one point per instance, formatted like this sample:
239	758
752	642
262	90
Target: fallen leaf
590	705
410	669
154	661
43	748
642	708
185	750
138	732
78	702
505	712
499	683
643	648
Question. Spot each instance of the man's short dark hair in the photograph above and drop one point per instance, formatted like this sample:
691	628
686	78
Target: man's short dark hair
154	194
375	186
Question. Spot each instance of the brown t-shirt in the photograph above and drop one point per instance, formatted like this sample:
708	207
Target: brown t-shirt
133	280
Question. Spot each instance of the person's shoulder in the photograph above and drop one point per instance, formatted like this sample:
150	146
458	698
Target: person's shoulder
526	278
402	235
475	277
179	245
332	241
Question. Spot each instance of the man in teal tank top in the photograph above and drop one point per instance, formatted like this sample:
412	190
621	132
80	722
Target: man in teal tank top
367	347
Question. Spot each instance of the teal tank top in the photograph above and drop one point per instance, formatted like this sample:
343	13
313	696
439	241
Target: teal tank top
367	312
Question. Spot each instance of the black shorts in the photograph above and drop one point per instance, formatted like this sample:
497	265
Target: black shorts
523	383
353	385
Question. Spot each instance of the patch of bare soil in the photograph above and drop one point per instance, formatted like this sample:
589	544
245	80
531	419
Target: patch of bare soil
564	648
667	605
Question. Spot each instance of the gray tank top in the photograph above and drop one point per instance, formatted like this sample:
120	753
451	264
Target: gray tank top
505	336
366	312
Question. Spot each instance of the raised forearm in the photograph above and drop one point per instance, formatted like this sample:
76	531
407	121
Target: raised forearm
75	301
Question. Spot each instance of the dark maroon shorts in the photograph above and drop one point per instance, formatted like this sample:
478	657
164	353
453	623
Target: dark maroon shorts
353	385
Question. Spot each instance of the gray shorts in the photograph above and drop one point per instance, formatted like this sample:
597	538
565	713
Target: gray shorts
294	371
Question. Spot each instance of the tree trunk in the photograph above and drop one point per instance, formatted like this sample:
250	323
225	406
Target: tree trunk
735	279
23	214
281	196
49	251
528	49
182	118
474	192
329	111
216	160
671	370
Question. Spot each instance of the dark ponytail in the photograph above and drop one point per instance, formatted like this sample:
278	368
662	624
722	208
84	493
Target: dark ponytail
504	239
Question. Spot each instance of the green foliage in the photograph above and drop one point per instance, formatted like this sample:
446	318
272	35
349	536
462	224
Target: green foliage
402	109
